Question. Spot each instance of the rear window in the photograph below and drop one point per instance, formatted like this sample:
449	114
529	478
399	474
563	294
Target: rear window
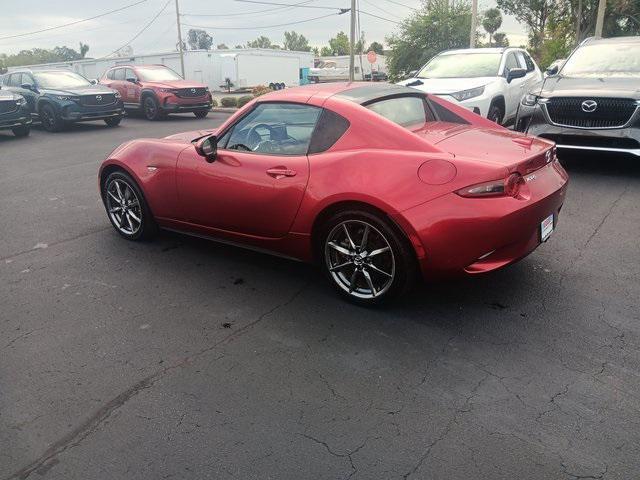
405	111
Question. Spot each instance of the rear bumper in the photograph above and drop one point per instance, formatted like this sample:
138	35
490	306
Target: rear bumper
471	236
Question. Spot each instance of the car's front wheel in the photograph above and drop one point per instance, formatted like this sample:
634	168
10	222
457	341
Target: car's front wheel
365	257
495	114
151	108
113	121
21	131
126	207
50	119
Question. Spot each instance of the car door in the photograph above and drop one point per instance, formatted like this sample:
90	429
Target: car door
118	83
515	88
533	75
16	81
257	181
131	87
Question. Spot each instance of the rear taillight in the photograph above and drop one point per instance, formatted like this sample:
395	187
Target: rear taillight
508	187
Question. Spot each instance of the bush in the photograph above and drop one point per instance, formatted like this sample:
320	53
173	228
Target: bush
242	101
260	90
214	103
229	102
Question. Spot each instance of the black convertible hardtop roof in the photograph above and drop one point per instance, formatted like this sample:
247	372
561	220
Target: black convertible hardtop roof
363	94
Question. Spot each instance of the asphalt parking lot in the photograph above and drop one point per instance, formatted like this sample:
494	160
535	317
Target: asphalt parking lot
187	359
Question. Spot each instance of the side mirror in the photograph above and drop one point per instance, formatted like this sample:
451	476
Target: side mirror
28	86
93	81
132	80
207	147
552	70
515	73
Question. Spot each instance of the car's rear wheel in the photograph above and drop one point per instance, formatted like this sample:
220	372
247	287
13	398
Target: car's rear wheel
151	108
50	119
21	131
127	208
366	259
201	113
113	121
495	114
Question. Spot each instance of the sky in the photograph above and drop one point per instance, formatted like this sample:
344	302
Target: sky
227	21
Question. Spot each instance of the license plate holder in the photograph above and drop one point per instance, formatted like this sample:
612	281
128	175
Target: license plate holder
546	228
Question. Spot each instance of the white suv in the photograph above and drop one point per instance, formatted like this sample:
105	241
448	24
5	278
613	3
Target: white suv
488	81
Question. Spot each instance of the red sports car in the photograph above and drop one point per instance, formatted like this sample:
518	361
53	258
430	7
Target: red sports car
377	183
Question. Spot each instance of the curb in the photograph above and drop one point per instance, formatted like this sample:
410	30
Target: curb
224	110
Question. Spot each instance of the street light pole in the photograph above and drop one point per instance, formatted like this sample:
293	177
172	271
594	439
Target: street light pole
180	49
353	41
474	23
602	6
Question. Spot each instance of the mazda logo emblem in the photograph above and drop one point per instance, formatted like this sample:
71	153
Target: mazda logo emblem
193	90
589	106
98	97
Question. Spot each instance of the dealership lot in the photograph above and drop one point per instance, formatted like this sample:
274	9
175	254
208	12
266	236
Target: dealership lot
189	359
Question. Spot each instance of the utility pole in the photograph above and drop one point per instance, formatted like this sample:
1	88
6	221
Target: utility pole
474	23
578	22
353	41
180	39
602	6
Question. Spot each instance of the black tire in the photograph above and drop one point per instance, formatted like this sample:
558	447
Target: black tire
151	108
113	121
392	255
281	86
145	227
272	86
21	131
201	113
50	120
495	114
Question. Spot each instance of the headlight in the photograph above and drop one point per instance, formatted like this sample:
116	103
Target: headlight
467	94
117	94
168	90
206	89
20	101
529	100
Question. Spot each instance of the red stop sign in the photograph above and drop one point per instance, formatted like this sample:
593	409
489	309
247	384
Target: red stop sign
371	56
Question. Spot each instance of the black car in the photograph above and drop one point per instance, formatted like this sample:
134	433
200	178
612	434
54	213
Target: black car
60	97
592	102
14	113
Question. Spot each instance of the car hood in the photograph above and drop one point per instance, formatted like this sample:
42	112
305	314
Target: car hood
175	84
188	137
559	86
446	85
497	146
88	90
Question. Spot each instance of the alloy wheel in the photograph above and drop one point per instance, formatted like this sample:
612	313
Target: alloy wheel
150	108
124	207
360	259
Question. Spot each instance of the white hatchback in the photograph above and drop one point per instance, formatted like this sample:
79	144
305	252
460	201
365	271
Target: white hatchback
488	81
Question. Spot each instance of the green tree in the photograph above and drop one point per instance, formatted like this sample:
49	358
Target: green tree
534	14
199	39
491	22
84	48
500	40
435	27
339	44
222	46
260	42
296	41
326	52
316	51
42	55
376	47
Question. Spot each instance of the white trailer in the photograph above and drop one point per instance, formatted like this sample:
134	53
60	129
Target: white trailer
362	66
244	67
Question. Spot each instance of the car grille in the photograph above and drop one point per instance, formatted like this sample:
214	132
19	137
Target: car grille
8	106
609	112
190	92
95	100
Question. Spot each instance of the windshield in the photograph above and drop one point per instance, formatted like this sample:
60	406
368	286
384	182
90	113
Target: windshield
462	65
604	59
60	79
157	74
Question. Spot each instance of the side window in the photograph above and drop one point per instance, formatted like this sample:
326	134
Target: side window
330	128
274	129
14	79
511	63
530	65
27	78
110	74
521	61
118	74
130	74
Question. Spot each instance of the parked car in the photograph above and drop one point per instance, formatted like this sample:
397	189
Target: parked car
14	113
157	90
58	98
376	182
592	102
488	81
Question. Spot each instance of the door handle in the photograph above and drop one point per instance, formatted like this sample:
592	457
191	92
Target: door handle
281	172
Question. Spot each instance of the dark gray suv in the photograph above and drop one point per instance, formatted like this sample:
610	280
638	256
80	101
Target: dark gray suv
592	102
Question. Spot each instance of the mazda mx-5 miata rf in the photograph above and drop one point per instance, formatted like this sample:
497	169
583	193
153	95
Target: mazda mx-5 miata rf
377	183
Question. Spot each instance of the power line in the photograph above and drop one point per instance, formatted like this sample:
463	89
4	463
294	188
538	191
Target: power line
401	4
381	9
261	27
297	5
140	32
73	23
379	17
243	14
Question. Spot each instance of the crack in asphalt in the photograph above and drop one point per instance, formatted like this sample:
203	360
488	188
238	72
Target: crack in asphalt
90	425
348	454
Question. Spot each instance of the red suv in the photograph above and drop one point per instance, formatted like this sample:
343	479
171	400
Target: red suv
157	90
